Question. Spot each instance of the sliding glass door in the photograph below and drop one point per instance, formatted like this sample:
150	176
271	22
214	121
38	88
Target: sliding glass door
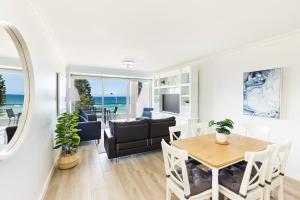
116	98
113	98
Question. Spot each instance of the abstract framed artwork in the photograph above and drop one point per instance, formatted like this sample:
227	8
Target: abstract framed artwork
262	93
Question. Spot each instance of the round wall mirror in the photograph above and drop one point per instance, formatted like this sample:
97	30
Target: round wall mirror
15	65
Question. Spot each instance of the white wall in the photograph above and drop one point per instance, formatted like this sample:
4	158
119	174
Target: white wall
23	175
221	90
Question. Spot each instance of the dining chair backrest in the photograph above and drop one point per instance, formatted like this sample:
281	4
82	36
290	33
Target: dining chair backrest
255	172
177	132
175	166
199	128
258	132
10	113
280	153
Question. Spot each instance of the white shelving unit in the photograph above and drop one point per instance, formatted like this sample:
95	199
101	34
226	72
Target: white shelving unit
183	81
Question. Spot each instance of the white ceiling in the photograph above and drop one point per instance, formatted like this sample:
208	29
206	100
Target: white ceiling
161	33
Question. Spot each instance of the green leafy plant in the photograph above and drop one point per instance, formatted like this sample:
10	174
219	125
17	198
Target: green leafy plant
222	126
186	101
67	137
163	82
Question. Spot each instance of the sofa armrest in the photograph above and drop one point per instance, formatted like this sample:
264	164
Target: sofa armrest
109	144
92	117
89	130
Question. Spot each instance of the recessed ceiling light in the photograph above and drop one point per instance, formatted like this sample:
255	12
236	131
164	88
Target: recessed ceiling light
128	63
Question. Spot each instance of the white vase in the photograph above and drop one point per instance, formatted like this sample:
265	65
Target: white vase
222	138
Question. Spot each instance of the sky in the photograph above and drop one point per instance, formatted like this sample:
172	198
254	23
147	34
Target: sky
118	87
14	83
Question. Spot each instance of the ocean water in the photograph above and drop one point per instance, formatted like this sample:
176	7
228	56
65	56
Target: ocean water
111	102
15	101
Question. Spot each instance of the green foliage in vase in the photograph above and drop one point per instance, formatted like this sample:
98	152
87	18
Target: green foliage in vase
84	90
186	101
222	126
66	129
2	92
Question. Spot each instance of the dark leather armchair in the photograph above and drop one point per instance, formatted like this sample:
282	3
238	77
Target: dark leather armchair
89	131
87	115
90	128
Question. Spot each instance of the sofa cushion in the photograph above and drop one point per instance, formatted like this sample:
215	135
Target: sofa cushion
82	119
130	145
130	131
160	127
83	114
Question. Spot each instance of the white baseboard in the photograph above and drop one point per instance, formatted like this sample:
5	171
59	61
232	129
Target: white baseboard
293	175
46	184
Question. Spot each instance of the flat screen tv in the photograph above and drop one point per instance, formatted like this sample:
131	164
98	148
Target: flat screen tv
170	103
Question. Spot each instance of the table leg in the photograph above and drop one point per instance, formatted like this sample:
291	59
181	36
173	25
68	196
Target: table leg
215	184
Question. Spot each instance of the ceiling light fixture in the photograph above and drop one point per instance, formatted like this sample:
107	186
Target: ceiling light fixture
128	63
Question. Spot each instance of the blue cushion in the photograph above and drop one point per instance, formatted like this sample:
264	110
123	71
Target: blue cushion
83	114
148	109
147	114
82	119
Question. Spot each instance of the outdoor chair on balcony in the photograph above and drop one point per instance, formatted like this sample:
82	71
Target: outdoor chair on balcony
114	112
11	115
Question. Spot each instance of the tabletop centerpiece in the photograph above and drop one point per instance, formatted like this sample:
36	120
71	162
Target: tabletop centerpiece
223	130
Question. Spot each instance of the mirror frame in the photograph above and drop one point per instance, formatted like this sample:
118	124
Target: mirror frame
14	145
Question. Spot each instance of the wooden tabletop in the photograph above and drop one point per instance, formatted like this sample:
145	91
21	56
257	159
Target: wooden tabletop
205	149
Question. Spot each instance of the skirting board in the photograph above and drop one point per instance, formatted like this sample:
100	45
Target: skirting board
46	184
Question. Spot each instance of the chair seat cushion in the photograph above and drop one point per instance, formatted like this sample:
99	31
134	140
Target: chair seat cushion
232	177
199	180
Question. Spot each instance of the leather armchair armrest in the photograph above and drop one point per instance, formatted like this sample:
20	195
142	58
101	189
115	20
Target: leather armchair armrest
109	144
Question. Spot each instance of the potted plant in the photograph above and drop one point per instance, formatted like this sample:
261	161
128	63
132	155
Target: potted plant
187	101
163	82
222	129
68	139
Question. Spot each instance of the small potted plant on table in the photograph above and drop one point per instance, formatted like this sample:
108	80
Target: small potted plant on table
68	139
222	130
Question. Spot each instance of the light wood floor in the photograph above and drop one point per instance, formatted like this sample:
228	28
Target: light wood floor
135	177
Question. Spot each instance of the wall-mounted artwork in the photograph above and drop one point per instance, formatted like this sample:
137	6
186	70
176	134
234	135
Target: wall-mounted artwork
60	93
262	93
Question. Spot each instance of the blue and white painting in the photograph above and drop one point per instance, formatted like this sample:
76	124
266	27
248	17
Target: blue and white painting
262	93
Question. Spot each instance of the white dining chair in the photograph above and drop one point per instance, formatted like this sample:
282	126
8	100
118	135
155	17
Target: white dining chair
178	131
200	128
238	184
184	180
276	169
256	131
